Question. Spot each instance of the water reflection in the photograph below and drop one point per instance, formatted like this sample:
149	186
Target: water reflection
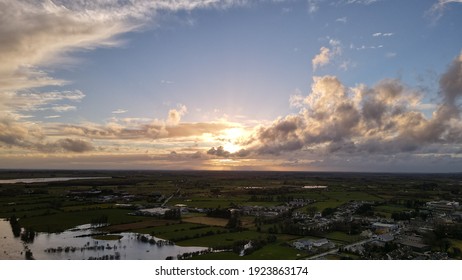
46	180
79	243
11	248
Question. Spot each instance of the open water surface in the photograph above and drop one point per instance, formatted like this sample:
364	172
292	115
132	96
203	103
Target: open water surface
46	180
76	244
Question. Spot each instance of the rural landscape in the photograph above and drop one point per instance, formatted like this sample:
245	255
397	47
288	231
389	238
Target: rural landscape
229	215
231	130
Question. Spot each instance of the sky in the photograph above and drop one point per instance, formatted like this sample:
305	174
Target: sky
302	85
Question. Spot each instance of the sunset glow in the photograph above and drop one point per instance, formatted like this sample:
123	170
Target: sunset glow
242	85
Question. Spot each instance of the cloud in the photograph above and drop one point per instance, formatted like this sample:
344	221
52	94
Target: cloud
119	111
151	131
63	108
451	82
74	145
313	6
220	152
14	102
438	8
364	47
34	34
174	115
322	58
390	54
52	117
342	20
296	100
380	34
29	136
347	64
39	35
325	54
380	120
361	2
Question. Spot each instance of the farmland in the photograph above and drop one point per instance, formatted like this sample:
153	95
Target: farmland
226	210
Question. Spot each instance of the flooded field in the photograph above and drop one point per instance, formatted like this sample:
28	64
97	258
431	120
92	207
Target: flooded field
79	244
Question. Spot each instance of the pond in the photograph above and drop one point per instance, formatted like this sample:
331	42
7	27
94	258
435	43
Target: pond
79	244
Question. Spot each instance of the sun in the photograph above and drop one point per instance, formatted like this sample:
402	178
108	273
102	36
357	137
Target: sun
231	147
231	137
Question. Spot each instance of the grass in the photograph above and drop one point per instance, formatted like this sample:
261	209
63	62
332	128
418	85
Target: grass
269	252
87	207
188	234
203	202
342	237
139	226
59	222
210	221
219	240
275	252
107	237
390	208
321	205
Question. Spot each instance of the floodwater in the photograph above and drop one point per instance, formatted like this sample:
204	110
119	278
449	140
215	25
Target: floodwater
69	246
11	248
46	180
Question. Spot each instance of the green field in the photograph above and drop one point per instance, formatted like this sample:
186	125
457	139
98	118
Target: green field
269	252
65	220
58	206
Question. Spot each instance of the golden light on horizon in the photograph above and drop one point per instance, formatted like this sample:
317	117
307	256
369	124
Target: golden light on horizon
232	137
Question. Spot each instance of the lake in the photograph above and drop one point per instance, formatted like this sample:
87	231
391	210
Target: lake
76	244
46	180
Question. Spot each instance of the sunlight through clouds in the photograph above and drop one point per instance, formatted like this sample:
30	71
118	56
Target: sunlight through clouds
112	84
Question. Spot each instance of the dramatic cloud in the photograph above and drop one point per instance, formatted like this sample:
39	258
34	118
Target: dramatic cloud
41	33
74	145
220	152
382	119
154	130
29	136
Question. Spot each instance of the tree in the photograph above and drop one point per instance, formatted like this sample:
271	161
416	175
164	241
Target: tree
28	236
328	211
311	210
234	222
173	214
15	226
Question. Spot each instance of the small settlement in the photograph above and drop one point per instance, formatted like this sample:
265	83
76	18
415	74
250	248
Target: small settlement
350	230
